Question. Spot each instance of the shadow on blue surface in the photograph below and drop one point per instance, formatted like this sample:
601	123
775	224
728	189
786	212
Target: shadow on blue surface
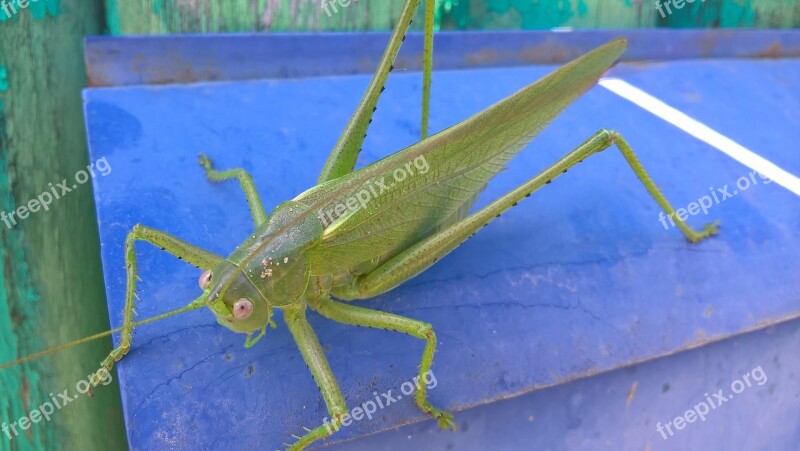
620	410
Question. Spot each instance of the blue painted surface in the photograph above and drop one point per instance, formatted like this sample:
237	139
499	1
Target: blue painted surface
595	414
700	94
115	61
578	279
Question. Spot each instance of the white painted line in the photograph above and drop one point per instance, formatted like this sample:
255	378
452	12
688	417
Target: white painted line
702	132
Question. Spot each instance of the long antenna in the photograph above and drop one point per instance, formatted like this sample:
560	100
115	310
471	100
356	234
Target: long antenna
197	303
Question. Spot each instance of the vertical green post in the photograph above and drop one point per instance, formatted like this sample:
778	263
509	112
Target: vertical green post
52	289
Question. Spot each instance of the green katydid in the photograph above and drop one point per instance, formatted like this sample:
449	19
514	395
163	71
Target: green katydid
329	243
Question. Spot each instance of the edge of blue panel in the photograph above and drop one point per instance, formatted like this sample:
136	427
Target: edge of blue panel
170	59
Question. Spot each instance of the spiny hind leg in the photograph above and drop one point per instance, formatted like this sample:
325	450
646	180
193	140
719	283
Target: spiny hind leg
245	180
342	158
359	316
166	242
692	235
422	255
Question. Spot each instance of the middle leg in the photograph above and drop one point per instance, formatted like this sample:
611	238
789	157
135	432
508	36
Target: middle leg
310	348
359	316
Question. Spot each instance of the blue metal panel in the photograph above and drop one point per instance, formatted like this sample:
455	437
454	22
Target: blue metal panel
620	410
185	59
579	279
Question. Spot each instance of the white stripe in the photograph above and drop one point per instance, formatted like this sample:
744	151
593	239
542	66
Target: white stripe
702	132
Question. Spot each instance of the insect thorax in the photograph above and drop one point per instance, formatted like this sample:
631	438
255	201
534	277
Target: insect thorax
274	258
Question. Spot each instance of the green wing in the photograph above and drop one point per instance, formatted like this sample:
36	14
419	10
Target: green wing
460	160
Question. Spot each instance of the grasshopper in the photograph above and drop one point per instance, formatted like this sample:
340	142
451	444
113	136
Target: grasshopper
360	233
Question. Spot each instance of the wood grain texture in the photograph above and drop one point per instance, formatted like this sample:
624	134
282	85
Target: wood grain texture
735	14
52	289
211	16
544	14
195	16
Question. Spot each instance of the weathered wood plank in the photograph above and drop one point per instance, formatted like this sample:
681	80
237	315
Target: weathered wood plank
169	16
52	289
211	16
734	14
544	14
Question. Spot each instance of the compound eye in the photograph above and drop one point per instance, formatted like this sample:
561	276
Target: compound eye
205	279
242	308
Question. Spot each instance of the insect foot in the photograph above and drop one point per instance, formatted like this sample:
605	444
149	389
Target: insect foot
443	417
96	379
205	162
106	365
709	230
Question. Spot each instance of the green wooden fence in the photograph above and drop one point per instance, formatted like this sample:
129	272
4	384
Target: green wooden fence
163	16
52	289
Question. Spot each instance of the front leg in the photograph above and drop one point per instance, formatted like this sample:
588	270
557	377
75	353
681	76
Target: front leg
314	357
179	248
359	316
